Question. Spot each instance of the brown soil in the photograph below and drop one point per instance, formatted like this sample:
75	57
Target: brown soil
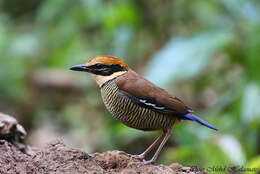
18	158
58	158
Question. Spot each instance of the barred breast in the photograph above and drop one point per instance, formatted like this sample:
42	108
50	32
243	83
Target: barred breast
131	114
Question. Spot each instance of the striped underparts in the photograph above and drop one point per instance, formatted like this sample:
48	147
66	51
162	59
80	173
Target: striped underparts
131	114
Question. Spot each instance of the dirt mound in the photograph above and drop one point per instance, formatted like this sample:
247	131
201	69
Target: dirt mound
57	158
18	158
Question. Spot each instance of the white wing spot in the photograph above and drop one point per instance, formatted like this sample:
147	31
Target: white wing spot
151	104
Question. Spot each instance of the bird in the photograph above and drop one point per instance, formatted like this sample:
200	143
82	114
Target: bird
137	102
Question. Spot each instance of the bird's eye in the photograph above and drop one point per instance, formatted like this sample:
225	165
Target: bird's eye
99	65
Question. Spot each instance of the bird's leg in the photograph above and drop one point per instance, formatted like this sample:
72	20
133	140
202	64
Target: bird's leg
142	155
167	133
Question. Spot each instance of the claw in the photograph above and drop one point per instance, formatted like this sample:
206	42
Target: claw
140	157
145	162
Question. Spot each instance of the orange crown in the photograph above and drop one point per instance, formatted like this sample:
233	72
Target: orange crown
107	60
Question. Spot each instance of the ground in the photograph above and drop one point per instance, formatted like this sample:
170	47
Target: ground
56	158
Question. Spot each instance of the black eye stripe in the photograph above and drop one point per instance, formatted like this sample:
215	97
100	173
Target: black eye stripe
98	66
105	70
115	67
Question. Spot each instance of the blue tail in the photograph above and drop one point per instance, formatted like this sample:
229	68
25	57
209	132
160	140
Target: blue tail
199	120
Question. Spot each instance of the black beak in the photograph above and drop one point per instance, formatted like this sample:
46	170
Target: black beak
81	67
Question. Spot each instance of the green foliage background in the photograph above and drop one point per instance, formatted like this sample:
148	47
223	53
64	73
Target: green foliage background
205	52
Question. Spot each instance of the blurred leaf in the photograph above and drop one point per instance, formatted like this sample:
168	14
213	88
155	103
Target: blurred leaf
250	109
25	44
244	9
121	14
183	57
253	54
231	146
51	10
122	37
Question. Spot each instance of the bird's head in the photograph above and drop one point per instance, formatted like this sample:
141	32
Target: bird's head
103	68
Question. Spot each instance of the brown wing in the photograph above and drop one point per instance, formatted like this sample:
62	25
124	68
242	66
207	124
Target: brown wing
145	93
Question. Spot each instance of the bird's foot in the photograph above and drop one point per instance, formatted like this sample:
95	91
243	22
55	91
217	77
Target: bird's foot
140	157
144	162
